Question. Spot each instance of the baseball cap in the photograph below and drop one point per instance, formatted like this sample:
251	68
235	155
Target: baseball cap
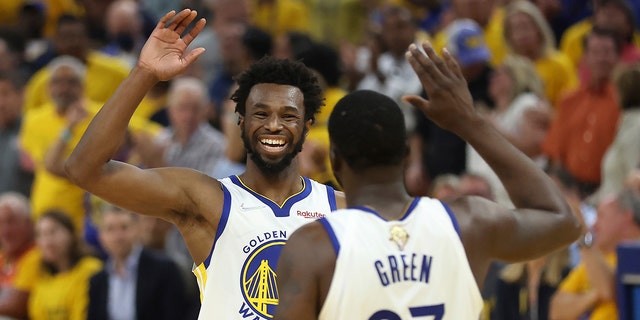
466	42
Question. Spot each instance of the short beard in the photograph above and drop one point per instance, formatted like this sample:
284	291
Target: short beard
272	169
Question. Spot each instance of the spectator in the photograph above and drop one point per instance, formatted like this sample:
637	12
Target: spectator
528	34
103	74
589	289
280	16
489	16
291	44
136	283
435	151
59	287
314	157
524	290
16	174
614	15
50	133
521	114
124	26
562	14
18	246
585	124
12	53
384	66
623	155
241	46
190	141
159	235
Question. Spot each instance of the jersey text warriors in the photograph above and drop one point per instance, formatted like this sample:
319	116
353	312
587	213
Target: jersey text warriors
238	279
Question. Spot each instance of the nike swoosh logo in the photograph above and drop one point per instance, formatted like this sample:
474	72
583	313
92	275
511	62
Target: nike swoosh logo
245	208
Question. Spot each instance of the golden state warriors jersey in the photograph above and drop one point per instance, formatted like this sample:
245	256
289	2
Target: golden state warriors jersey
414	267
238	279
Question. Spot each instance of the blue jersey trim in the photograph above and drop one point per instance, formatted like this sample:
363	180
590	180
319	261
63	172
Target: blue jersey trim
332	235
406	214
331	193
454	221
279	211
412	206
226	208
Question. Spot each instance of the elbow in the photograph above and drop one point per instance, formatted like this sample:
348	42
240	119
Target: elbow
575	227
607	294
75	171
571	225
555	309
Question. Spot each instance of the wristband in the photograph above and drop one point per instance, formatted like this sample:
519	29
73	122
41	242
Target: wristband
586	241
66	135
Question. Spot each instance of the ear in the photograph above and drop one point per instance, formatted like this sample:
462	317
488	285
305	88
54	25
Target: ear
240	120
335	160
308	124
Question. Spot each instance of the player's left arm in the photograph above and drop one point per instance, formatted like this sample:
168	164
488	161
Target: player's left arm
305	269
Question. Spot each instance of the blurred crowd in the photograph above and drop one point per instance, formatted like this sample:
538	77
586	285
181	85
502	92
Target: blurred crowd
559	78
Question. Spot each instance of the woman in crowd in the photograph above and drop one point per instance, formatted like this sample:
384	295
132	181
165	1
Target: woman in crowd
60	285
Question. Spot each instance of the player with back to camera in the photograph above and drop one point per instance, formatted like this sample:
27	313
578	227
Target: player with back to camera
393	256
235	227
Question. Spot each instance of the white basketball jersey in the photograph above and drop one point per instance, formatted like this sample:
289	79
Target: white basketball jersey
415	267
238	279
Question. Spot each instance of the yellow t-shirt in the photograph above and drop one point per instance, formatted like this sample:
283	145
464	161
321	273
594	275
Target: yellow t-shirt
55	9
558	75
319	133
335	21
7	279
9	11
493	34
571	42
577	282
40	130
27	275
280	17
64	296
104	74
572	45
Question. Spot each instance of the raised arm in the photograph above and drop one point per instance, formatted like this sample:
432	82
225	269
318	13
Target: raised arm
305	270
542	220
172	194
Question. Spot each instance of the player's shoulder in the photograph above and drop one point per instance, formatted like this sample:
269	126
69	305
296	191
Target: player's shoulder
341	200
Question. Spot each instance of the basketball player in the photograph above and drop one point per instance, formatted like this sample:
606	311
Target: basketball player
234	228
391	256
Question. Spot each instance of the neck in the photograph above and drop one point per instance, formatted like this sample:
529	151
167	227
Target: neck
374	188
277	187
63	265
598	85
533	54
182	136
120	262
502	102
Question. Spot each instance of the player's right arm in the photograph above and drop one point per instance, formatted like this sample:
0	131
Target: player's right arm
176	195
305	271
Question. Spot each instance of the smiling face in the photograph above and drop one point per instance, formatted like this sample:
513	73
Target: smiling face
54	240
273	128
524	35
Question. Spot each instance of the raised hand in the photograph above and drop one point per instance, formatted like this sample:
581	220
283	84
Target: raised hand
76	113
164	52
450	103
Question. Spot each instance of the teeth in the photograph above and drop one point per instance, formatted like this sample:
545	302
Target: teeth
273	142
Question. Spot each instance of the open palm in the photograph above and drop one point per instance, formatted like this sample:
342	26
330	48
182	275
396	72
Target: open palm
164	52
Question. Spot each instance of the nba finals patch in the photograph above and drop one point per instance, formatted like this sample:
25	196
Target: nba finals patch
399	236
